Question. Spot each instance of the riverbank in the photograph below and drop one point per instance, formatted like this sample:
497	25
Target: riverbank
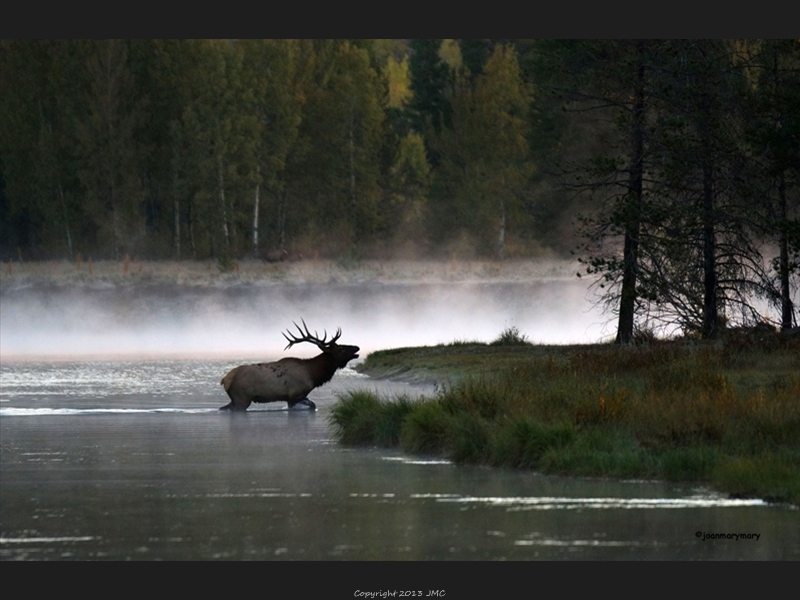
724	413
302	272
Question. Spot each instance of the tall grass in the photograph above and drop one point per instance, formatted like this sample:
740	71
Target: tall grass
361	418
729	416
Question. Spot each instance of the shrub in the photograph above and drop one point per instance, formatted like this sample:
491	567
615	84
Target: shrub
511	336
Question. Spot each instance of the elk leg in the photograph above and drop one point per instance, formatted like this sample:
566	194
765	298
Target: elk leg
304	402
237	402
235	407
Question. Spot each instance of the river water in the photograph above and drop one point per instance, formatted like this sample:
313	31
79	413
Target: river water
130	459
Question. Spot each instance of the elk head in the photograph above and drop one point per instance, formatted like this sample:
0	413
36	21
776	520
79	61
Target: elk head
341	354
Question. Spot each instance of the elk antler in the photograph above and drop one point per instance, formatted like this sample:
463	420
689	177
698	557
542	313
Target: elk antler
314	339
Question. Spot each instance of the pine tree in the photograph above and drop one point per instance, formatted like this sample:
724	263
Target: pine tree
428	84
615	81
484	153
38	83
409	181
108	149
219	138
333	170
275	101
475	53
712	265
773	132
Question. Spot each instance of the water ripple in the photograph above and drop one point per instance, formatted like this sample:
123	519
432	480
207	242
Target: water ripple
550	503
39	412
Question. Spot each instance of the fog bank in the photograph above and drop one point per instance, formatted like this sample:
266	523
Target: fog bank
245	320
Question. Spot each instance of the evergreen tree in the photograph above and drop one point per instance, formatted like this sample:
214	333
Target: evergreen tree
38	83
429	77
687	254
474	54
220	149
170	95
614	80
333	171
485	157
155	66
409	180
108	149
270	76
707	207
773	134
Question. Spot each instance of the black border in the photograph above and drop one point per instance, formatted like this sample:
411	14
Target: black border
504	20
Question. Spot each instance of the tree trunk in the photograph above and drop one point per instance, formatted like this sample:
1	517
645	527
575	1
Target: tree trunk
630	256
352	148
501	232
177	227
191	232
501	229
114	224
710	316
176	217
66	221
787	309
282	219
223	208
255	223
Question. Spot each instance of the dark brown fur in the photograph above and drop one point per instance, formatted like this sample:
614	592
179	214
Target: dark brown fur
287	380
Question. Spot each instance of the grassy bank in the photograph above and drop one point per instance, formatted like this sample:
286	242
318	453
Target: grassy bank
725	412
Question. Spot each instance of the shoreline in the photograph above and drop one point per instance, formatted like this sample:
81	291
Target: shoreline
206	274
721	413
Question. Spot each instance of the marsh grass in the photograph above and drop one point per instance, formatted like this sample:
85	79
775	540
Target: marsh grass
719	413
361	418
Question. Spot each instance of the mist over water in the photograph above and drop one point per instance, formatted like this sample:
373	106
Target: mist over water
246	319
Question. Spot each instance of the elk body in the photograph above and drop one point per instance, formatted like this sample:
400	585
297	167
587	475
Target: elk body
288	380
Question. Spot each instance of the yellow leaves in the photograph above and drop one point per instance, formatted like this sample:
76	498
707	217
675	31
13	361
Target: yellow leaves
411	165
399	82
500	105
450	53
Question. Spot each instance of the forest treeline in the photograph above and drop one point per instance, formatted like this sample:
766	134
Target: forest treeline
234	148
669	166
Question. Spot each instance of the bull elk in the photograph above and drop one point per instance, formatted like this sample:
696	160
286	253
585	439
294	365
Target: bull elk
288	380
